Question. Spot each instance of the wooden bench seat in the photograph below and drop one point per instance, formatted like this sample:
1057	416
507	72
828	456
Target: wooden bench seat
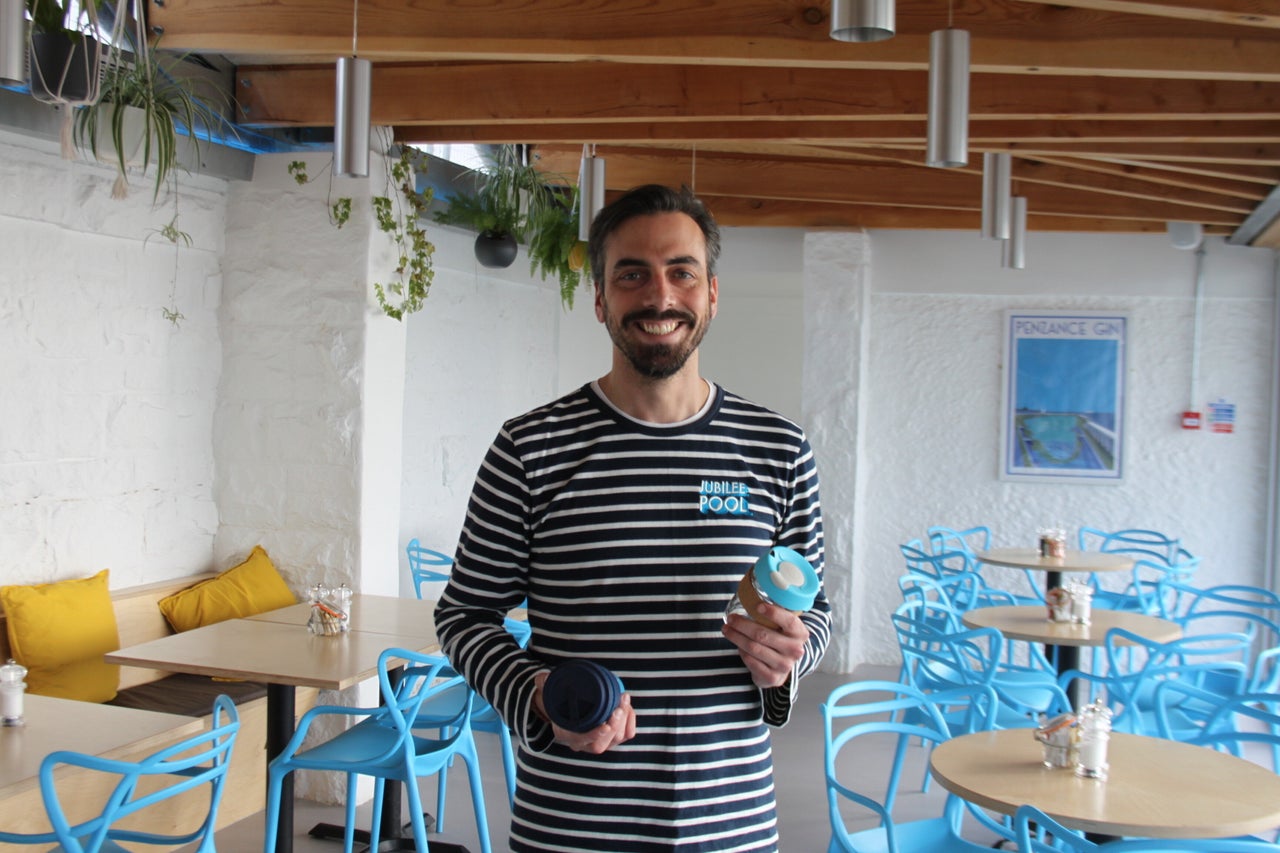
138	620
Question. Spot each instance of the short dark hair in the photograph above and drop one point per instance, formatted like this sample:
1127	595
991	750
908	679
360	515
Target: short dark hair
648	200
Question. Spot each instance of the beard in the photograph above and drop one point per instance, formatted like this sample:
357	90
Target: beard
656	361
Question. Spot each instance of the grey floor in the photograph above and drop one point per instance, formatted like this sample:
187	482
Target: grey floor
802	805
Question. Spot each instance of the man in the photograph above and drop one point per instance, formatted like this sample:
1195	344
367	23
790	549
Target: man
626	512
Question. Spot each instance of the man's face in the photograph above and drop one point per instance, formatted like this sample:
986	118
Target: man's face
656	300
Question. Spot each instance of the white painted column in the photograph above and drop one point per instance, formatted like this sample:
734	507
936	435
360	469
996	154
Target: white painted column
837	268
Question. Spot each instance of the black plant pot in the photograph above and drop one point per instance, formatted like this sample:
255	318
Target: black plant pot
64	67
496	249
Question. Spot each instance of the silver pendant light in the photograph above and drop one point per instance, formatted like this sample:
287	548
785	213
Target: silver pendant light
862	20
353	94
13	41
948	133
591	186
997	171
1015	248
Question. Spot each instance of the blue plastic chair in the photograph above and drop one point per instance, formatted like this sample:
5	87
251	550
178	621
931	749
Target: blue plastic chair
1137	666
936	656
426	566
197	761
853	716
383	745
1246	725
1036	832
1157	557
1190	845
438	710
969	542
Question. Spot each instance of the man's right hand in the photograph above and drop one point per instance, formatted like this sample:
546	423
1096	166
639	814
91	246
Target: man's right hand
619	728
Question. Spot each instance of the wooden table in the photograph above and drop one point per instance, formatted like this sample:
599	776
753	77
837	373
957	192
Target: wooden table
1031	623
279	651
1155	787
1073	561
89	727
370	614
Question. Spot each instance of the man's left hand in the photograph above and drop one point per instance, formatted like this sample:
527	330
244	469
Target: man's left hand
769	653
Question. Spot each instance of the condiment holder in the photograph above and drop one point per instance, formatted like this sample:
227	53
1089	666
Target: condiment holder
1053	542
1058	741
12	691
1072	603
330	610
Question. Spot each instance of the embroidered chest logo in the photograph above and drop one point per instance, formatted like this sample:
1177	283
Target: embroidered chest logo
724	497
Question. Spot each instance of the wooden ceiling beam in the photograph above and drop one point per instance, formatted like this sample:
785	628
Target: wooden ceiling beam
1241	13
569	92
851	183
1007	37
984	133
756	213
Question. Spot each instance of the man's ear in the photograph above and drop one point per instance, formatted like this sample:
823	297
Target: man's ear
598	289
714	295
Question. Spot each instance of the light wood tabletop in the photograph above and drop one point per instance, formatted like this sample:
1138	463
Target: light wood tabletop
1073	561
277	648
1155	787
274	652
1031	623
88	727
373	614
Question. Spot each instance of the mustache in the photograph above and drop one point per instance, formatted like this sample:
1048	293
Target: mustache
652	314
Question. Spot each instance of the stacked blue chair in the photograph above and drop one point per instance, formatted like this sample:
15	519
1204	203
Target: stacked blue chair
197	761
1157	557
1250	610
936	656
1039	833
425	565
1036	832
853	716
969	542
383	745
1246	725
1137	666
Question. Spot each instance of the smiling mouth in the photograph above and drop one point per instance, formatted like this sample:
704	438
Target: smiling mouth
666	327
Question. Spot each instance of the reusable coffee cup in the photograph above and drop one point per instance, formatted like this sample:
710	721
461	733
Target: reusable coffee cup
781	576
579	695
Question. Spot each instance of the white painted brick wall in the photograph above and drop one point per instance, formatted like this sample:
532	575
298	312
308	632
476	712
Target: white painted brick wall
106	452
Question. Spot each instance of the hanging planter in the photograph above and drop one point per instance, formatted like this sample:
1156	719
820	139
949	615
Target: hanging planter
496	249
66	46
65	67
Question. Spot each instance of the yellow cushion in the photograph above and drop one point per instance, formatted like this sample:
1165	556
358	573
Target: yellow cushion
59	632
252	587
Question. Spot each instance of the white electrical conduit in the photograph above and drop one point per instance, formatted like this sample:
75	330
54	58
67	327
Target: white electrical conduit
1272	565
1195	332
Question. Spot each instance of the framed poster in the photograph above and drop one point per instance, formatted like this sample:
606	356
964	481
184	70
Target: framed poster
1062	412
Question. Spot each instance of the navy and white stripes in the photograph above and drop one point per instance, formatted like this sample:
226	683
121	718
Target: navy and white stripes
628	539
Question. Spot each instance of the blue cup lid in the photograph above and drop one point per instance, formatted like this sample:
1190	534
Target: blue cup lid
786	578
579	695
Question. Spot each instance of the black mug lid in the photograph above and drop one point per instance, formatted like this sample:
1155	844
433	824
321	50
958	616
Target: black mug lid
579	695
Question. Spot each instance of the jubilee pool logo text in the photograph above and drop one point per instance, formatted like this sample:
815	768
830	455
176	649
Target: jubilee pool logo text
724	497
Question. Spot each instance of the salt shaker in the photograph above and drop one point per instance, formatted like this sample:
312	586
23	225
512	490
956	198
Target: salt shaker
12	688
1094	726
342	602
1081	603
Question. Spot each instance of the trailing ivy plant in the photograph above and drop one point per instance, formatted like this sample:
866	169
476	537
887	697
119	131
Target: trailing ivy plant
397	214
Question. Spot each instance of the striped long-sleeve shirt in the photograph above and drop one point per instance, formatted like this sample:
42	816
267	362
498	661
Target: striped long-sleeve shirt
628	540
